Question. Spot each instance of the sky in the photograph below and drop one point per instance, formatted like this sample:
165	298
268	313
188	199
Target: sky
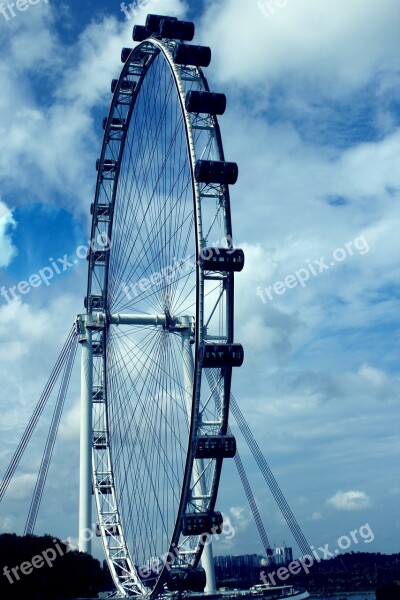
313	121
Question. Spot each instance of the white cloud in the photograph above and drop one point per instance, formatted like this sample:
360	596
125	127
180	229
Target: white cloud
351	500
239	518
50	146
7	524
21	486
375	376
316	516
7	249
69	426
337	47
31	340
96	57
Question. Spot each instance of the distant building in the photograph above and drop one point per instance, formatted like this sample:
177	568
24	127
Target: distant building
283	556
242	567
247	567
288	555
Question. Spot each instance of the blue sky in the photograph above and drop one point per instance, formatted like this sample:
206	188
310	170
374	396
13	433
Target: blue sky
313	121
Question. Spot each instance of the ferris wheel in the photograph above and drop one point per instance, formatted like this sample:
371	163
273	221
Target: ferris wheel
159	317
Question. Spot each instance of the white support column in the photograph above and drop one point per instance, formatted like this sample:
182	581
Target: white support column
85	488
207	559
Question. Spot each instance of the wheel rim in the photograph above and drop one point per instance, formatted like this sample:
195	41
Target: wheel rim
146	411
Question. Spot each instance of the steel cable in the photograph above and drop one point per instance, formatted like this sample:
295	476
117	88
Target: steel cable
36	414
51	439
268	476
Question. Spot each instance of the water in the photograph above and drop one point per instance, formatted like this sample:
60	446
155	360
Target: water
337	596
347	595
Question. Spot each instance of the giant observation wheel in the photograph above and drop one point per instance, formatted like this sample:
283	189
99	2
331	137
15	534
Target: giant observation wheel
160	317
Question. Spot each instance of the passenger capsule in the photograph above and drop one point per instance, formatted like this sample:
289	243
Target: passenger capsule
127	86
202	523
218	172
177	30
222	259
139	33
108	165
186	579
215	446
220	356
196	56
205	102
115	123
125	53
153	23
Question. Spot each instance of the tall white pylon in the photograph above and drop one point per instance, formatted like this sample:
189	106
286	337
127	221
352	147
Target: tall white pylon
85	477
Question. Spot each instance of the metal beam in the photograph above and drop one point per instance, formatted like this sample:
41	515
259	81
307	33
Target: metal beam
139	319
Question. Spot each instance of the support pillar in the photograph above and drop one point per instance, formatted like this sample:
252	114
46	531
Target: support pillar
85	484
